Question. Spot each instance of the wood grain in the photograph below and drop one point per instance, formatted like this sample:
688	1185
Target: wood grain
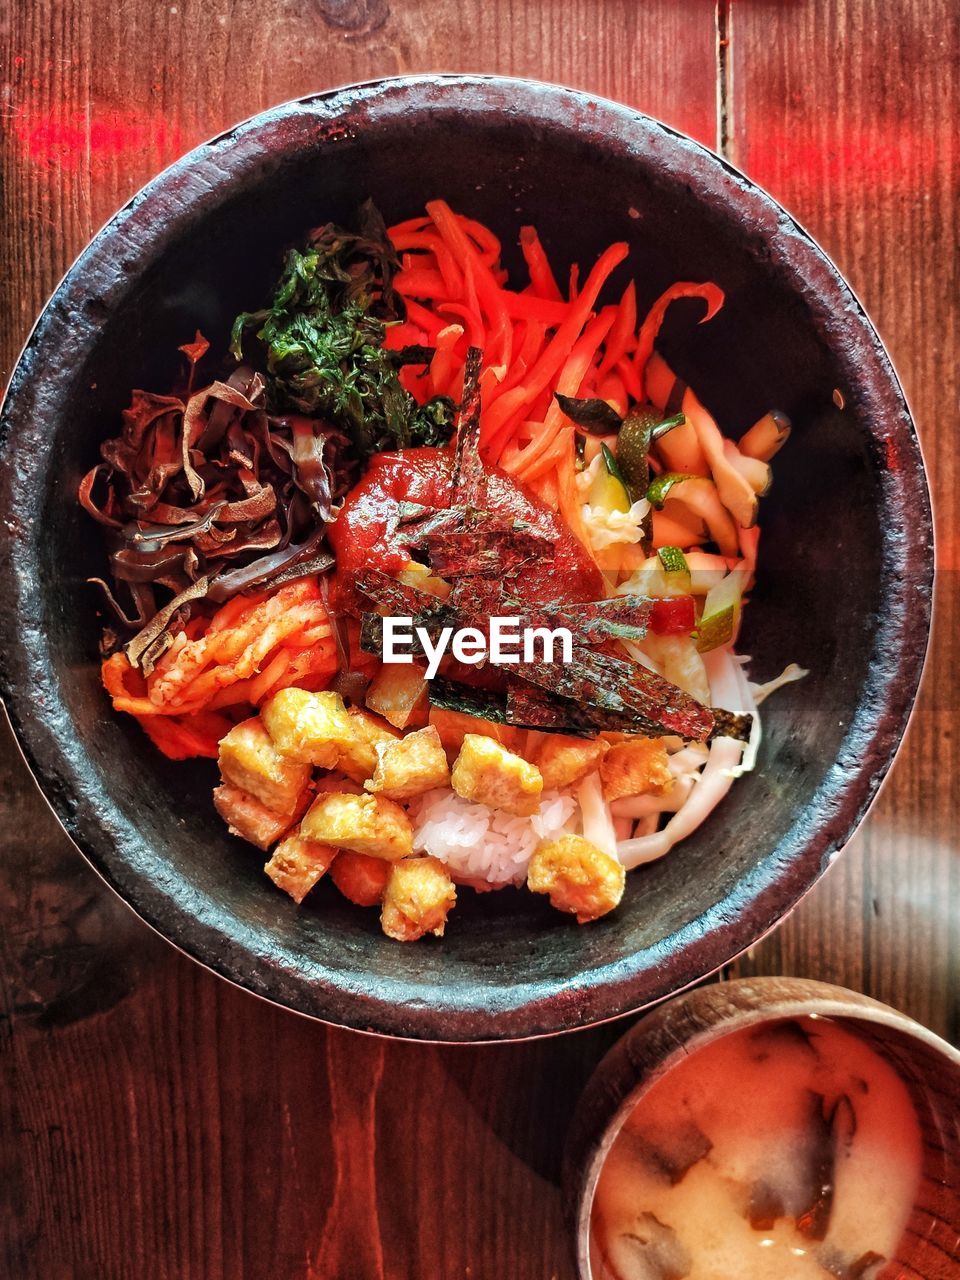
155	1121
847	113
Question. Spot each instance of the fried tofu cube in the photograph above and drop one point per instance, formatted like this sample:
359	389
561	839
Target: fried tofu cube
489	774
247	818
310	727
563	760
417	899
398	692
453	725
297	864
635	767
362	824
410	766
358	758
579	877
360	878
249	760
337	781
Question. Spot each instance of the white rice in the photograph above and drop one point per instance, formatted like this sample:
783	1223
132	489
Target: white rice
479	843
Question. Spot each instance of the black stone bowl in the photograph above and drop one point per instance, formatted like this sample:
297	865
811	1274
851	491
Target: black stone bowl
845	572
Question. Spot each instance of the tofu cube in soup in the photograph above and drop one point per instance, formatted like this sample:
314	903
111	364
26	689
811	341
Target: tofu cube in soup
363	824
417	899
249	760
635	767
398	692
563	760
358	758
411	765
310	727
360	878
579	877
489	774
297	864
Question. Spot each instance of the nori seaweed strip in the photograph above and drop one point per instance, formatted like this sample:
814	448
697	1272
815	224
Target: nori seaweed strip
484	551
597	680
420	523
617	685
400	599
534	708
451	695
414	354
469	473
620	617
730	724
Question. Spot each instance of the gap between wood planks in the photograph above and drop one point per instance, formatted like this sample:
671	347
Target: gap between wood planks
724	69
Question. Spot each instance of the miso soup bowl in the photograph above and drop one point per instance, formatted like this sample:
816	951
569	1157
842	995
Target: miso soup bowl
929	1067
845	568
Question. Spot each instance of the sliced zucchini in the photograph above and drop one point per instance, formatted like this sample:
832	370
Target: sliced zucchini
721	613
676	571
607	489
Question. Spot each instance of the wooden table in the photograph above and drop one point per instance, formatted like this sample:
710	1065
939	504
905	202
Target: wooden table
155	1121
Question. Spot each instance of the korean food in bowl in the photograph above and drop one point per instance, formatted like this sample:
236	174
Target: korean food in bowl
774	1130
319	560
459	370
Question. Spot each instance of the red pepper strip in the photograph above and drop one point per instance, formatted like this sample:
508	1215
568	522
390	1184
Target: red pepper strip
421	282
403	335
475	334
419	223
428	322
486	242
558	348
430	243
528	348
621	334
527	306
673	617
568	383
489	293
711	294
541	277
627	371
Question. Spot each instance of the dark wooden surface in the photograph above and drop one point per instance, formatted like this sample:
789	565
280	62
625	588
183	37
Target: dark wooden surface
155	1121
